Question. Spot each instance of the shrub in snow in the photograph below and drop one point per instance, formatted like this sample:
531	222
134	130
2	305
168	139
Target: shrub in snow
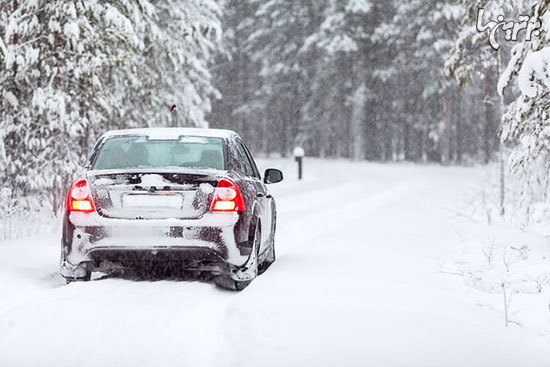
24	216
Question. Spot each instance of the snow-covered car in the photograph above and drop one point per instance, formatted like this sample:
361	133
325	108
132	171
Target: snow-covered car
189	198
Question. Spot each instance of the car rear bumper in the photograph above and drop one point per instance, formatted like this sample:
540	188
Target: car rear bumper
205	243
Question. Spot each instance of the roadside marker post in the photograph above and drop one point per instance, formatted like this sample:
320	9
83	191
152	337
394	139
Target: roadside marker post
299	154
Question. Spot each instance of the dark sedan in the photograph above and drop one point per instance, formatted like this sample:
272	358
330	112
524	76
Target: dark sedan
186	198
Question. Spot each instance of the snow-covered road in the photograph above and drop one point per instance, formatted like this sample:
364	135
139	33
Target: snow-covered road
355	284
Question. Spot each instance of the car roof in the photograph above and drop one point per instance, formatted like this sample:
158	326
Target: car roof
170	133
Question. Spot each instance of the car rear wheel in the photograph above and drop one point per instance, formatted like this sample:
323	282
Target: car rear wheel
250	270
270	256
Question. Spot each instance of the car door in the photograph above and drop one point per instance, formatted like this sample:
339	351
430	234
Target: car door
254	178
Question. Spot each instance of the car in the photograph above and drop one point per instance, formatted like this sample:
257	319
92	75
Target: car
188	198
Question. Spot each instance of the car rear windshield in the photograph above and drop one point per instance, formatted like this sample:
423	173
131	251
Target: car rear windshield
142	152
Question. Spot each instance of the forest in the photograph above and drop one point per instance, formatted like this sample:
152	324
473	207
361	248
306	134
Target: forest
357	79
375	80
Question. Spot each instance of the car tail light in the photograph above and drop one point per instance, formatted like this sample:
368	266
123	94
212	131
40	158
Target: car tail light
79	198
227	197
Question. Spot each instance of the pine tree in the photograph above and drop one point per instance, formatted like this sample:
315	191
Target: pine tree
74	69
526	124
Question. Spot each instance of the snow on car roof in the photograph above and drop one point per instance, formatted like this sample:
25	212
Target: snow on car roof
169	133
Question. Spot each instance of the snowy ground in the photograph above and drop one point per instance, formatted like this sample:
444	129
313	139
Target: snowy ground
359	281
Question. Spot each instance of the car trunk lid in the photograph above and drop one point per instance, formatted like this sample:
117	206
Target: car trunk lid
152	195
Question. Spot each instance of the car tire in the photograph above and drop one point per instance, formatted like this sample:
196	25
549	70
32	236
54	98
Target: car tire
268	261
227	282
270	257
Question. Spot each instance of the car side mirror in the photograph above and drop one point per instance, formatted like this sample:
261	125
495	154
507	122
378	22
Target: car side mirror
272	176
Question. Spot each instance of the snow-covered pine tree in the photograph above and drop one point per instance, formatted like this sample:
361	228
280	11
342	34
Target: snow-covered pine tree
526	125
180	40
275	37
53	63
338	112
72	69
419	37
473	60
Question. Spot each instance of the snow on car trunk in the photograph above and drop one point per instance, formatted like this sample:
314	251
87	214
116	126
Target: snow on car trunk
144	195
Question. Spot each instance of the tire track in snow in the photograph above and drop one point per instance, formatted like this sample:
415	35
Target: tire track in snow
138	322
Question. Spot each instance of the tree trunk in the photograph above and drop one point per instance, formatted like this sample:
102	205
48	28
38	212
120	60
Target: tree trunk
488	134
501	144
357	114
446	146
